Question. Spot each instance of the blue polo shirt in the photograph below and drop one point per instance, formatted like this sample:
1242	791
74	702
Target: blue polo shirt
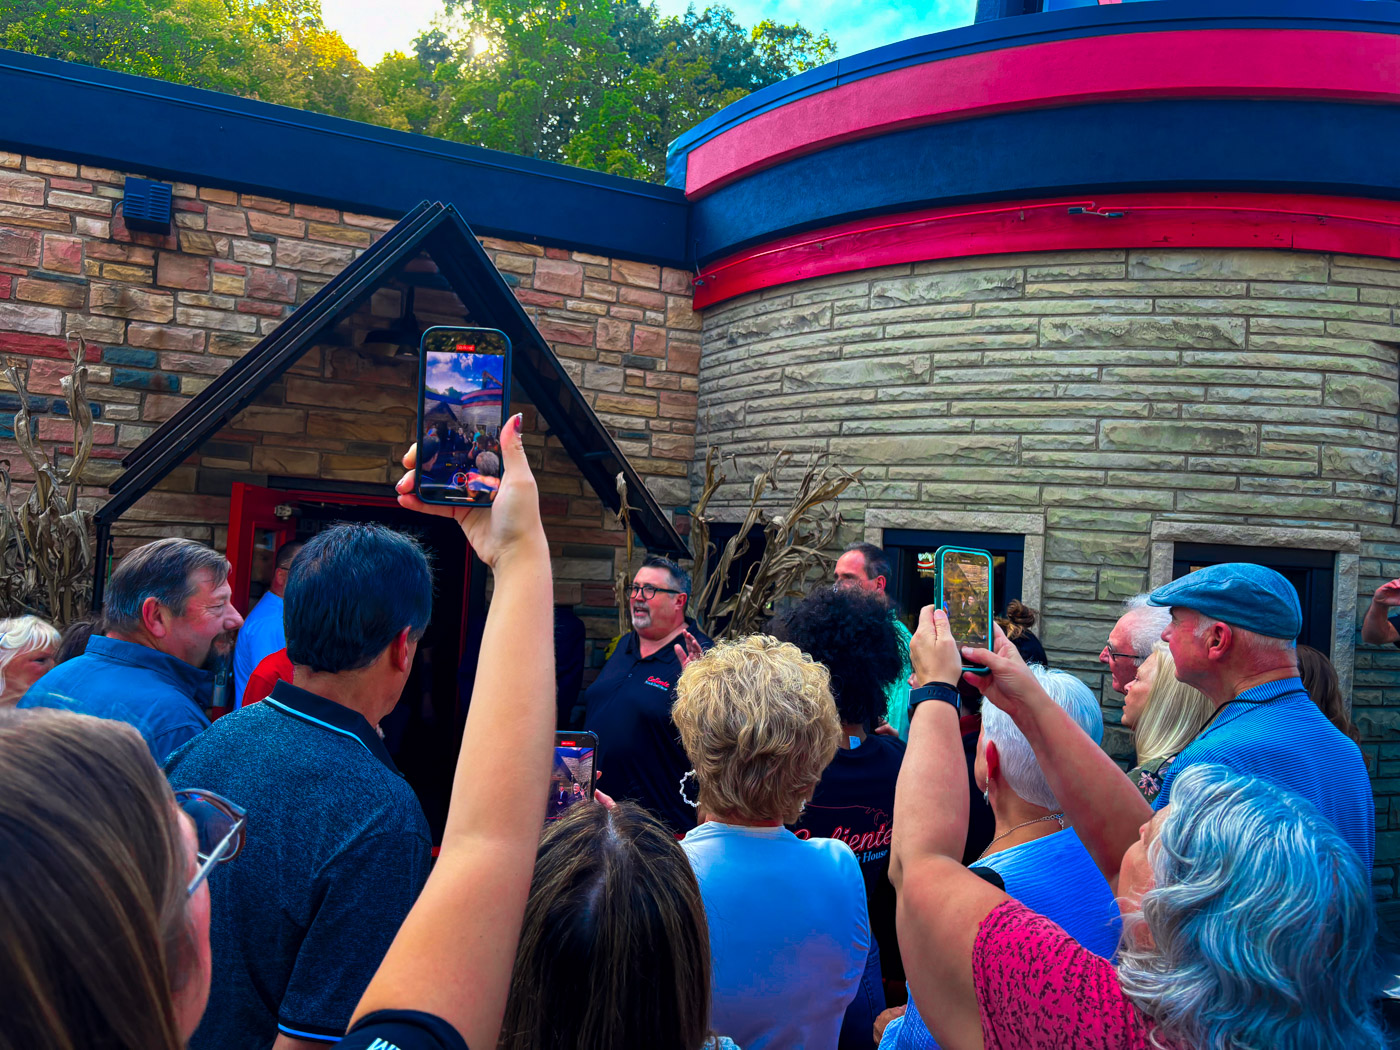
337	850
1275	731
161	696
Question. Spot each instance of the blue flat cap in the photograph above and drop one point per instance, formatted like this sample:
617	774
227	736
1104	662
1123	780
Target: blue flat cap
1250	596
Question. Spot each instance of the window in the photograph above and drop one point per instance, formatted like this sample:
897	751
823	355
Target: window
914	585
1311	572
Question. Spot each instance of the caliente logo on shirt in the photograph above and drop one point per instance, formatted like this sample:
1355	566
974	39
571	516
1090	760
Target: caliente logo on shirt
660	683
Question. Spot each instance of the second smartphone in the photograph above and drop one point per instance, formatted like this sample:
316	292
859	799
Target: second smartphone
965	594
463	401
575	769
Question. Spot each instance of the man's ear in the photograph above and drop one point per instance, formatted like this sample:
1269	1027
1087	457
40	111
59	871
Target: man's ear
1220	641
401	651
155	617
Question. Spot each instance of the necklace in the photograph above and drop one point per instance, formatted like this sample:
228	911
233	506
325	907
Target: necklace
1058	817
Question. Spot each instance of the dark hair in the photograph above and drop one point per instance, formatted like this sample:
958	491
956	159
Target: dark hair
1320	680
351	590
614	950
849	632
161	570
1017	624
287	553
679	576
92	888
73	641
877	562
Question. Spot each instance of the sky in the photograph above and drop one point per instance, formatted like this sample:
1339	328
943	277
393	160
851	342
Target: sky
373	27
462	371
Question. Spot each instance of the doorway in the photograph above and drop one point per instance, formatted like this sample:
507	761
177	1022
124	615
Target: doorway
424	732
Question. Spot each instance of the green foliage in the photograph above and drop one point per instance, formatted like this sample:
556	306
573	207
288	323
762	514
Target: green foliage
602	84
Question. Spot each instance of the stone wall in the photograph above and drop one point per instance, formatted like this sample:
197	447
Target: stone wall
164	315
1108	400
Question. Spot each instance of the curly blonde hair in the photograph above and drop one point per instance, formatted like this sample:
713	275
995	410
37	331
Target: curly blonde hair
758	721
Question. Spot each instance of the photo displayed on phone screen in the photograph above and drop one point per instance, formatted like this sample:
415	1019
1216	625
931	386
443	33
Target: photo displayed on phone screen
462	404
967	595
571	780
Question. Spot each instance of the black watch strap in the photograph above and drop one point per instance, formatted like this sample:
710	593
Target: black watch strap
934	691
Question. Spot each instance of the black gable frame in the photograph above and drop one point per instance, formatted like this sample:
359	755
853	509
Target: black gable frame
444	235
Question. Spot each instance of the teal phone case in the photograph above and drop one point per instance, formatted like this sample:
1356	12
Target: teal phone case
942	603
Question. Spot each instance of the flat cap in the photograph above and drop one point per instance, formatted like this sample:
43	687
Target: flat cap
1243	595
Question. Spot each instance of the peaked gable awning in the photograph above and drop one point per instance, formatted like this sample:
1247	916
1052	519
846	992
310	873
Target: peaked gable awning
441	232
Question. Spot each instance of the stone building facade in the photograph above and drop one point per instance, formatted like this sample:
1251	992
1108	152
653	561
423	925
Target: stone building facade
1108	406
165	314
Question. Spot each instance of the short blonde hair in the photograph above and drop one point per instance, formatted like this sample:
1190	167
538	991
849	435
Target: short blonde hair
1172	714
758	721
23	634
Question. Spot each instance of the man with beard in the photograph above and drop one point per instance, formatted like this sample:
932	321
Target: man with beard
168	608
629	706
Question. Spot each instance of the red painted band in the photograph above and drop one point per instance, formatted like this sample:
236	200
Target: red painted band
1199	63
1166	220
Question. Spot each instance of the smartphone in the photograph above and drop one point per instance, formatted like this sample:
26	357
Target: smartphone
463	400
575	769
965	594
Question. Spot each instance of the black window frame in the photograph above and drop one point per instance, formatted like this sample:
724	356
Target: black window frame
1318	569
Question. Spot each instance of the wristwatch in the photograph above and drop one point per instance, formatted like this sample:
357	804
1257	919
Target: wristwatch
934	691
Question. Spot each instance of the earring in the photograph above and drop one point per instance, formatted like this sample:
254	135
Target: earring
688	802
987	797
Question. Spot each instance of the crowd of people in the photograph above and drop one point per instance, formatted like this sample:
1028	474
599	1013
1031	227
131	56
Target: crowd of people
825	836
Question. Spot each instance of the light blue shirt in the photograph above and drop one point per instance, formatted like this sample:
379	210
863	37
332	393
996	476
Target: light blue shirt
1276	732
261	635
1056	877
789	933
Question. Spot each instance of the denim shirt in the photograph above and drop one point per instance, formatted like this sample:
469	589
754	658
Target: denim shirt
161	696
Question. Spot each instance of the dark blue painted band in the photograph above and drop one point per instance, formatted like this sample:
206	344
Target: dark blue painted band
1342	149
1376	16
93	116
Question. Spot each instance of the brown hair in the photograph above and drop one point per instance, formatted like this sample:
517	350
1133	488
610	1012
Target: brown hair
1019	619
614	950
758	722
1320	680
92	887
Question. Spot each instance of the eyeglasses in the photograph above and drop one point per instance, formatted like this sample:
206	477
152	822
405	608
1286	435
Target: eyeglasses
649	591
1119	656
220	826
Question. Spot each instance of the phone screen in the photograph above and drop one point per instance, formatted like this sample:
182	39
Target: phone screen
966	591
462	403
571	780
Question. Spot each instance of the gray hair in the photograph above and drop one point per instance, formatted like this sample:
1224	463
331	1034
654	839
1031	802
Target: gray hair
1018	762
162	570
1145	624
679	576
1248	641
24	634
489	464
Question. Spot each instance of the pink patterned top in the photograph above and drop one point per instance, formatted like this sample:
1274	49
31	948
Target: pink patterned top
1037	989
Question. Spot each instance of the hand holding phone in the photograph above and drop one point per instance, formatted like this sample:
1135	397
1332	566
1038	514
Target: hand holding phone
574	771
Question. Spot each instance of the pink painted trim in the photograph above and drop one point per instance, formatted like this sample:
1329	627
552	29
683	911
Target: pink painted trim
1168	220
1199	63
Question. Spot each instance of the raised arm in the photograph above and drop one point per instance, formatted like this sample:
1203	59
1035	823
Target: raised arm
454	953
1376	628
941	904
1105	808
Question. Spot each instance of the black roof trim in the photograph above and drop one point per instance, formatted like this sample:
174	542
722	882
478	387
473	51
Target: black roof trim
440	231
68	111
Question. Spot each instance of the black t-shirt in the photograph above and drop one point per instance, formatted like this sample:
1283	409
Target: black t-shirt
854	802
639	752
402	1030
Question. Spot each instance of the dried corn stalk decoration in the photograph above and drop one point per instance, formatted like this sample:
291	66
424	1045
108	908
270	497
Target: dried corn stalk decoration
622	579
45	550
797	548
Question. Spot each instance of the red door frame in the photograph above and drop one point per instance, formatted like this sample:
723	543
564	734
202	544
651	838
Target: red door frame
253	507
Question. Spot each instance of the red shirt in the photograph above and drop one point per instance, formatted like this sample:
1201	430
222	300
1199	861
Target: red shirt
274	668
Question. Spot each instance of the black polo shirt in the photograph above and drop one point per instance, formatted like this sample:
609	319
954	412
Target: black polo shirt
639	752
337	850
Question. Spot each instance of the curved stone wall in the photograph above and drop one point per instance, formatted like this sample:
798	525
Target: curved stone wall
1107	405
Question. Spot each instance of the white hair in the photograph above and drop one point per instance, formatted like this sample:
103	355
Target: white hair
1144	624
1018	762
1248	641
23	634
